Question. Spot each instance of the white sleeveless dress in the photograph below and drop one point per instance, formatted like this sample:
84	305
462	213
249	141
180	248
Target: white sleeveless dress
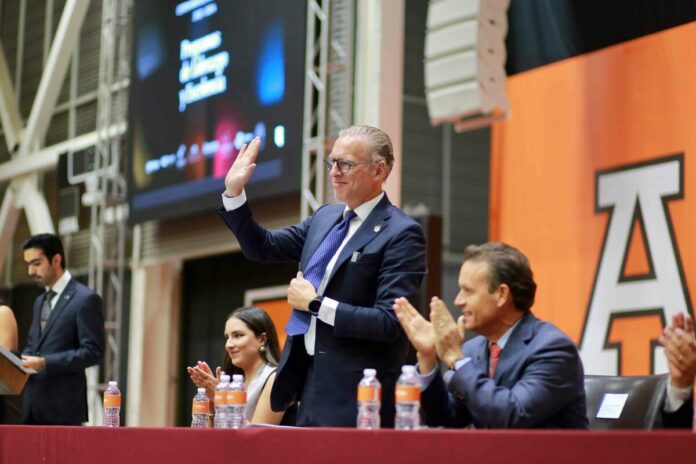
256	387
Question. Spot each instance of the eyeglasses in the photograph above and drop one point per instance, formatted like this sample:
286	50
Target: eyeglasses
343	165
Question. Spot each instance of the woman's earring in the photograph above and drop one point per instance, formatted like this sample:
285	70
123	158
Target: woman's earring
262	348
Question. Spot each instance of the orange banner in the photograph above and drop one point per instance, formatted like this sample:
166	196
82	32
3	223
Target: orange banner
279	310
592	177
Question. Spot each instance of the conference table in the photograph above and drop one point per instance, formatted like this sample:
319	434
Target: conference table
140	445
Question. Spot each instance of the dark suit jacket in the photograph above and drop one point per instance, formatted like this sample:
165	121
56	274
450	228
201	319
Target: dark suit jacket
72	340
538	383
682	418
384	259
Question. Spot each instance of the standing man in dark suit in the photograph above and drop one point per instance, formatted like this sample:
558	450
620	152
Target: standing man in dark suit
354	258
519	372
66	336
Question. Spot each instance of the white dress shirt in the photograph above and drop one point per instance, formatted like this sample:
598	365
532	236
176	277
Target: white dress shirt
59	287
676	397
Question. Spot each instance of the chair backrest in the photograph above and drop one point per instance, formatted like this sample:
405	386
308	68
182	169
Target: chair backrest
642	409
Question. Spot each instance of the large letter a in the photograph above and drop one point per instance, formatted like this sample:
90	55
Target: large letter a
637	191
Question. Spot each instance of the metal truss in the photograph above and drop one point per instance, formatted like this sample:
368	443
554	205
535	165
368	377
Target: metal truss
24	140
328	97
106	191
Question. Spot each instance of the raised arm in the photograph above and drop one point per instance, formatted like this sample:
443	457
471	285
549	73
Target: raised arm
242	168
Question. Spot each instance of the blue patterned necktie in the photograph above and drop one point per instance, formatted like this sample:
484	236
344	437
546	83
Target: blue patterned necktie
315	270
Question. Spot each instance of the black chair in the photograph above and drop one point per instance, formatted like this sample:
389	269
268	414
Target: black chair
642	410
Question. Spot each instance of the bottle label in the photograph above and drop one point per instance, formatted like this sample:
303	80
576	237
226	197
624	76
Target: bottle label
236	397
200	407
366	393
407	393
112	401
220	397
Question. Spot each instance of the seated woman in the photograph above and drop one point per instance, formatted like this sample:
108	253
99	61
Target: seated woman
252	349
8	339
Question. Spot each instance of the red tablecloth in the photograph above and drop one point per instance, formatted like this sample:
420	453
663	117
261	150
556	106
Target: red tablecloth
133	445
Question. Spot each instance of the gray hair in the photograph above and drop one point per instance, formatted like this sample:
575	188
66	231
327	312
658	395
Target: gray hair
378	143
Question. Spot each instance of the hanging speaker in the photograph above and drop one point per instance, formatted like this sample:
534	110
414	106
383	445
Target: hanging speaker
465	62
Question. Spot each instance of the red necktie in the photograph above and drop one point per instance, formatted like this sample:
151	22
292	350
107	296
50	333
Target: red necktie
495	350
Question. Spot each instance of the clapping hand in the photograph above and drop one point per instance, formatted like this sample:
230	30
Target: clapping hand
202	377
679	341
449	335
441	338
419	331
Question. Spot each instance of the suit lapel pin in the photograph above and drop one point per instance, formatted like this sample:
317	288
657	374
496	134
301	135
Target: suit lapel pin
378	228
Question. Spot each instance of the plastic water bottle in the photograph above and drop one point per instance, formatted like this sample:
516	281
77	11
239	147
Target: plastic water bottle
112	405
408	390
369	400
200	410
236	402
220	421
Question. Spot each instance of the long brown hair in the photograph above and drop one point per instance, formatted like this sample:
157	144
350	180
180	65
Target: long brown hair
259	322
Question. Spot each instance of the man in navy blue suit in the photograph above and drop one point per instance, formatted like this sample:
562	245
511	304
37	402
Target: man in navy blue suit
519	372
346	296
66	336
